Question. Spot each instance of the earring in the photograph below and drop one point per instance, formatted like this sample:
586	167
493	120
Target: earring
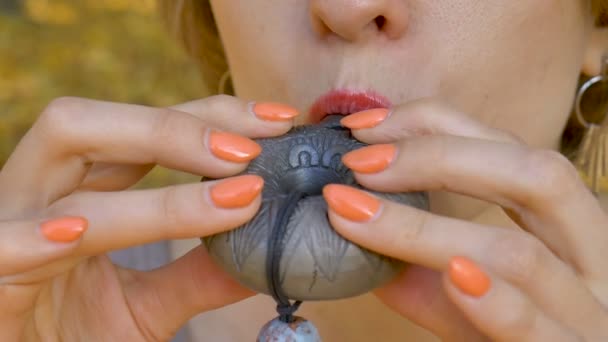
591	158
225	84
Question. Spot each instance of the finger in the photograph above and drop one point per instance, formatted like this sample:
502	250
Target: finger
420	118
498	309
56	153
123	219
417	294
430	240
163	300
255	119
25	245
540	189
113	177
270	120
428	117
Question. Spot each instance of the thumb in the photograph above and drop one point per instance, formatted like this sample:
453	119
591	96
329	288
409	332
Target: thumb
417	294
163	300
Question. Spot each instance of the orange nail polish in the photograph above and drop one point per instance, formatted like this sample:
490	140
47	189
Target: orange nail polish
64	229
469	278
232	147
365	119
370	159
236	192
271	111
350	203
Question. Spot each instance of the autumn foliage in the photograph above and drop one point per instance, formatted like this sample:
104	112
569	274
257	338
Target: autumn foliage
114	50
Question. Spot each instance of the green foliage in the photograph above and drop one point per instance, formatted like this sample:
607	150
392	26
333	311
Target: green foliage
113	50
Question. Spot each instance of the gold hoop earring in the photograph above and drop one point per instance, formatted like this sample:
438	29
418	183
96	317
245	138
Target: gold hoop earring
591	158
225	84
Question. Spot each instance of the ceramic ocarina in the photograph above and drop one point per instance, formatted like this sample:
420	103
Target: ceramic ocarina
312	262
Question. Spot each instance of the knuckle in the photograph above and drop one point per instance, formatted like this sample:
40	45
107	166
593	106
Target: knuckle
164	125
518	321
58	119
231	107
437	153
551	175
519	258
223	103
435	148
171	210
68	204
178	209
222	99
428	116
413	230
427	105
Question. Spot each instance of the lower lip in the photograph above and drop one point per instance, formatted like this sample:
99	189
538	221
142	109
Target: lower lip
344	102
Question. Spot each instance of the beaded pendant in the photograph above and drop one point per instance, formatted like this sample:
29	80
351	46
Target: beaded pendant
299	330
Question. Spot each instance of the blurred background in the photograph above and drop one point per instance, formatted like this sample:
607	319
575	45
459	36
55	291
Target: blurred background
113	50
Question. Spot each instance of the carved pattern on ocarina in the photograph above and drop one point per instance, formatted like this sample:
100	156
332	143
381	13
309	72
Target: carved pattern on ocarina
316	263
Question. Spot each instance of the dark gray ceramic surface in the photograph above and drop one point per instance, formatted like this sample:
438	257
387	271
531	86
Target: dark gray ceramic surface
317	263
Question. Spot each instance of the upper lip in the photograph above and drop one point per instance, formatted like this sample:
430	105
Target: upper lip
345	101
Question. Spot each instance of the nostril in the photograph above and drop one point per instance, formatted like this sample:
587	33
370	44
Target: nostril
354	20
380	21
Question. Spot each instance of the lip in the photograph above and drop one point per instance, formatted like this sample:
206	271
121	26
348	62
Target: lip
344	102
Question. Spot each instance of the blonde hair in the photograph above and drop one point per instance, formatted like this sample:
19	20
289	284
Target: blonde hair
192	23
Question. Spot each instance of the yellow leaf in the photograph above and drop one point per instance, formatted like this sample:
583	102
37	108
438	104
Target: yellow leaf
51	12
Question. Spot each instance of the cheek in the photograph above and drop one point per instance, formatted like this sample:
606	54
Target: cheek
259	36
503	61
517	61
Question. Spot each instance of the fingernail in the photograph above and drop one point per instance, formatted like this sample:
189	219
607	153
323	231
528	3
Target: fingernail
232	147
271	111
64	229
236	192
370	159
350	203
468	277
365	119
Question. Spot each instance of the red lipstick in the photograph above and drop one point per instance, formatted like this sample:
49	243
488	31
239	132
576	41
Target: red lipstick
344	102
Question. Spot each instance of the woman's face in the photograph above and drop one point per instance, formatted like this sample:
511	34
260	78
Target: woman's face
513	64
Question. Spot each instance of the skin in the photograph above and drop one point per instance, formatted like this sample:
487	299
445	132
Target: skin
62	291
498	62
488	71
468	79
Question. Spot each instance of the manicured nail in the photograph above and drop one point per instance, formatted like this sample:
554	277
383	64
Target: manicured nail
370	159
64	229
365	119
468	277
350	203
236	192
232	147
271	111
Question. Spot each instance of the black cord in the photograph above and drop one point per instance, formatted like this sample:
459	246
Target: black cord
273	258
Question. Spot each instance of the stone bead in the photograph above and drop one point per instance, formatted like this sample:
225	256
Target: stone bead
300	330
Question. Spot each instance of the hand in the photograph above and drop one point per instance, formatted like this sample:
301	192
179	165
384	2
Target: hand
547	281
63	204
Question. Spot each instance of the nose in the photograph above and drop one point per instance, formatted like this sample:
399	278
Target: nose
355	20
